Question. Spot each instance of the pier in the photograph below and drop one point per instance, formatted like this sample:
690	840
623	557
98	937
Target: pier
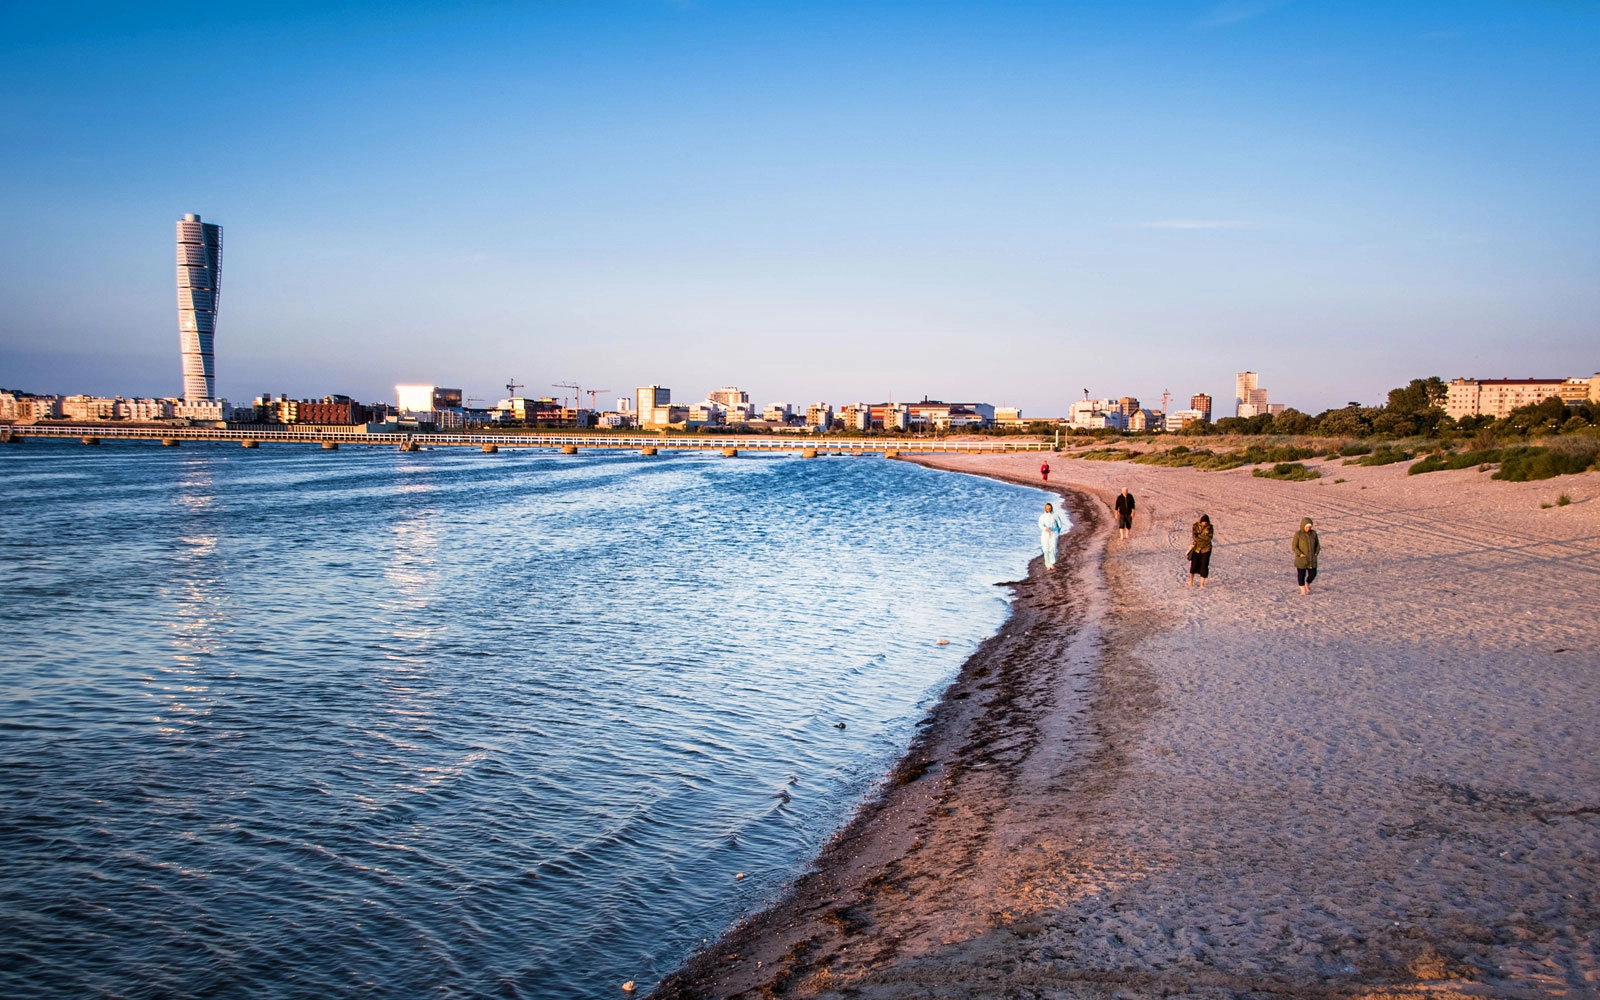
730	445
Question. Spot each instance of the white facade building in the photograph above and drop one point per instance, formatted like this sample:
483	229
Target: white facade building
1097	414
199	289
1177	420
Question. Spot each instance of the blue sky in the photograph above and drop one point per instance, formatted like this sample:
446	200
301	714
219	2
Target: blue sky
1007	202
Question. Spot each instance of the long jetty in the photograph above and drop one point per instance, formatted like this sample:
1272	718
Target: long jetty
569	443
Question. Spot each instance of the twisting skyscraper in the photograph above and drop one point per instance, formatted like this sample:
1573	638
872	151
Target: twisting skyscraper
199	285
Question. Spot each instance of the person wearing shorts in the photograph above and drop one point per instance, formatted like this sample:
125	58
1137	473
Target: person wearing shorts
1124	507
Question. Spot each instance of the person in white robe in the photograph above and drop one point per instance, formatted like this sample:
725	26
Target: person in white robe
1052	526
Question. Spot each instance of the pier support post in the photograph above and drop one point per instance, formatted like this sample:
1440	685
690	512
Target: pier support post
648	450
808	453
730	453
891	453
91	440
490	449
249	443
569	449
169	442
330	446
409	446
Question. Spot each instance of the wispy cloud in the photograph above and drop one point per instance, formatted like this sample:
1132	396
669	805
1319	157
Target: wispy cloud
1196	224
1235	11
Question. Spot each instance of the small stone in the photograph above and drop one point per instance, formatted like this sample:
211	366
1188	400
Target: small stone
739	875
629	986
943	642
838	725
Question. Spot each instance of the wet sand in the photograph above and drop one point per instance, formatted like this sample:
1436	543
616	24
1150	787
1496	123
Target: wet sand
1388	788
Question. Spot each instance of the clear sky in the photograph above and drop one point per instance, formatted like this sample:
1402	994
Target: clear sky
1004	202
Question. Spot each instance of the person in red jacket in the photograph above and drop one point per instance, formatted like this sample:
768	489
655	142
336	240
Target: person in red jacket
1044	472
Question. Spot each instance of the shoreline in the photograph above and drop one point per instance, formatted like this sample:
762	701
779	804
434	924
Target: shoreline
1387	789
980	741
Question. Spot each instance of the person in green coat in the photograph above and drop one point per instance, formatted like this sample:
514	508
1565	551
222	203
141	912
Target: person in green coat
1306	546
1200	551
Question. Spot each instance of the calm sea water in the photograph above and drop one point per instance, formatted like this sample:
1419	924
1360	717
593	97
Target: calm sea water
288	723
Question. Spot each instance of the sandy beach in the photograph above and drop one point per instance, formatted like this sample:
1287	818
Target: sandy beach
1388	788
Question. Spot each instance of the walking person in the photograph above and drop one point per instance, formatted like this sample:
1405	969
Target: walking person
1200	550
1124	507
1306	545
1051	527
1044	471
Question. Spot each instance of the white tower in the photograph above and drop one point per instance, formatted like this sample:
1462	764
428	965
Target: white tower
199	286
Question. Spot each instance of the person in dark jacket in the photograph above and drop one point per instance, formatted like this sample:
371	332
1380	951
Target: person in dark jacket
1306	545
1124	507
1200	551
1044	471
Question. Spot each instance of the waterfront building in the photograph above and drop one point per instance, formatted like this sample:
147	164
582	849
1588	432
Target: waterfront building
423	398
1127	406
1497	397
147	409
777	413
1276	408
1008	416
819	416
1201	403
27	408
199	290
729	397
647	400
90	407
892	416
856	416
707	413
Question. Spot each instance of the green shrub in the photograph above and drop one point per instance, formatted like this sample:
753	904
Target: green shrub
1355	449
1464	460
1522	465
1108	454
1383	455
1563	500
1292	471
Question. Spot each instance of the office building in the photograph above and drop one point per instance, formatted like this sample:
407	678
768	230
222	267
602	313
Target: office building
1249	399
199	288
819	416
426	398
647	399
1201	403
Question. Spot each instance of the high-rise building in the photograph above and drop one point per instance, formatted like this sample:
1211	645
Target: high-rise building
1243	385
199	286
1201	402
646	400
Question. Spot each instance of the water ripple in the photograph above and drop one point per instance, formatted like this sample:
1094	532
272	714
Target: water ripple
287	724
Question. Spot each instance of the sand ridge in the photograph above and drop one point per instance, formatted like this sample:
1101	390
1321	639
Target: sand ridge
1387	788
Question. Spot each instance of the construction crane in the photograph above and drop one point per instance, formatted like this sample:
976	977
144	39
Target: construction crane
1165	397
577	392
592	394
512	385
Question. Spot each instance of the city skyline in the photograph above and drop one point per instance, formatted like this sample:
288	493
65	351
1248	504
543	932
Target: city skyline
961	203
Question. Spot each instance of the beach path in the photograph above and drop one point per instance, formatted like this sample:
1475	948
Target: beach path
1390	787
